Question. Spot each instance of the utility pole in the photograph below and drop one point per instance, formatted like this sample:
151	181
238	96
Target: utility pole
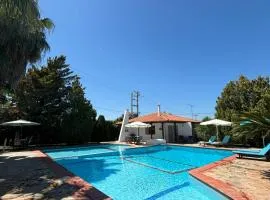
134	102
131	103
191	110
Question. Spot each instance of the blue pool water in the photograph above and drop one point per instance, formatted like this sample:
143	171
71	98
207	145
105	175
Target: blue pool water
149	173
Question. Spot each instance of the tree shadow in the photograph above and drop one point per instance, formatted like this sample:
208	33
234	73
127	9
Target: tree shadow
261	159
91	169
266	174
22	175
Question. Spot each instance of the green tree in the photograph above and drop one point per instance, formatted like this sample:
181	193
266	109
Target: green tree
22	38
243	95
242	98
105	130
205	132
100	130
112	131
8	108
43	96
79	121
119	119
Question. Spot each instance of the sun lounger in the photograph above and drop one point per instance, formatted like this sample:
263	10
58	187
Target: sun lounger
224	142
264	152
210	141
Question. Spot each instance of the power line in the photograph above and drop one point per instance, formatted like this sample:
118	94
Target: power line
148	100
180	114
109	109
191	109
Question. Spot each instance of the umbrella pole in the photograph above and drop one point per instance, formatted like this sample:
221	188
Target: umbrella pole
217	131
21	131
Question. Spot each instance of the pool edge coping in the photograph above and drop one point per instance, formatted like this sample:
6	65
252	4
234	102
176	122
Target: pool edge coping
222	187
85	189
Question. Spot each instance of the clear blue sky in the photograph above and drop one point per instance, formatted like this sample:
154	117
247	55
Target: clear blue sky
175	52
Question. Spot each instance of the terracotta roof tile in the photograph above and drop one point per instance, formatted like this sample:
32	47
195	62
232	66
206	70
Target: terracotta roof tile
162	117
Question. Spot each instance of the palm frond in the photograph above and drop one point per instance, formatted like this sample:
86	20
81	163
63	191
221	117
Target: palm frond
47	23
256	125
22	37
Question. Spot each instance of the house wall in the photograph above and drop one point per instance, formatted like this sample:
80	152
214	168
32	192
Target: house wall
158	131
166	132
123	132
183	129
143	132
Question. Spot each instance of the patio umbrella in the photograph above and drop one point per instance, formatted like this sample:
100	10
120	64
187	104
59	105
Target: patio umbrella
138	125
216	122
20	123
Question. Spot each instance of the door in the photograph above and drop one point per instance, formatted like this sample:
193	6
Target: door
170	134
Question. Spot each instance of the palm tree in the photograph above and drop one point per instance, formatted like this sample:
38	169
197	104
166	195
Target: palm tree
22	38
252	124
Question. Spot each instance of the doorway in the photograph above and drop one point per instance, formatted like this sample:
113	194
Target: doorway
171	133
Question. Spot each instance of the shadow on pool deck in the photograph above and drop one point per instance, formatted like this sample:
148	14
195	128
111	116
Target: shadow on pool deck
266	174
25	175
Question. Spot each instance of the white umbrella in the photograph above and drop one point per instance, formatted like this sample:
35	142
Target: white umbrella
138	125
20	123
216	122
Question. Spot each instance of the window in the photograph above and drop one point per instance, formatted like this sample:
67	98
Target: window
151	130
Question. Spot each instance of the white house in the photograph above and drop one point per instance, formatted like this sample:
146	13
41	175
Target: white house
163	126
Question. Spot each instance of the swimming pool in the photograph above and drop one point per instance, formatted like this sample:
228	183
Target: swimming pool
157	172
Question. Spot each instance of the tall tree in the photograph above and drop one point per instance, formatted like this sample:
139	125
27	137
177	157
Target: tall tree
8	108
100	130
43	95
79	121
22	38
243	95
243	99
105	130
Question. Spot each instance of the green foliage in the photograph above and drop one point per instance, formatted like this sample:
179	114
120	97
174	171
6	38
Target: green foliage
105	130
50	95
79	122
53	96
243	95
243	99
205	132
119	119
112	131
22	38
253	126
8	109
100	130
8	112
